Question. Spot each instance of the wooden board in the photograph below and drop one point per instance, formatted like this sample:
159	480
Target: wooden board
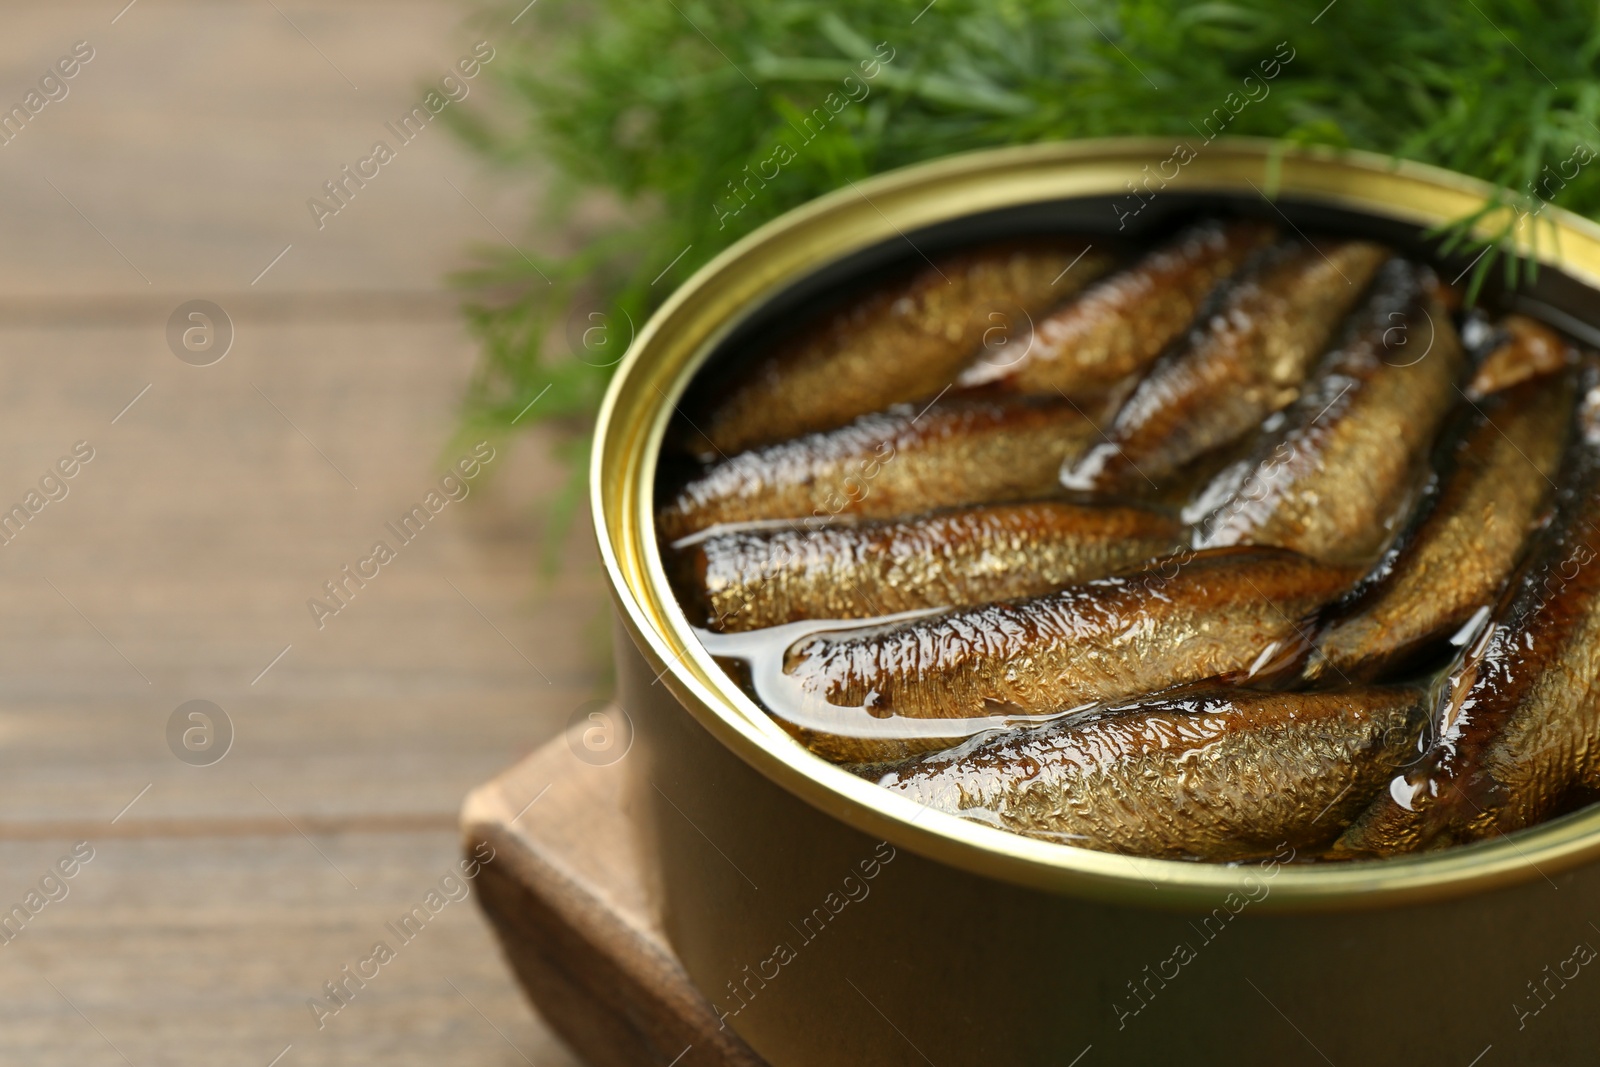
571	899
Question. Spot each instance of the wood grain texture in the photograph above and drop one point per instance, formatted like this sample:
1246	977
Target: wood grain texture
205	950
180	562
189	545
572	901
197	133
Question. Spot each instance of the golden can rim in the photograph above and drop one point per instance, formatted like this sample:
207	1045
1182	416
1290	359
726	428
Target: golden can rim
671	346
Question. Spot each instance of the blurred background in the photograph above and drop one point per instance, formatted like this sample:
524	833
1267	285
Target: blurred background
178	566
550	172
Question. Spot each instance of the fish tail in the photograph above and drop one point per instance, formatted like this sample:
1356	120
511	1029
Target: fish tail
1316	666
1279	665
1377	832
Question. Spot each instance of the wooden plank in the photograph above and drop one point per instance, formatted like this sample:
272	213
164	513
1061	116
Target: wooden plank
571	899
189	545
196	135
198	951
179	564
186	550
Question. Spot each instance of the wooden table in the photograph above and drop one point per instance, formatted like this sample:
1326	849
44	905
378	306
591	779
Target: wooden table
570	893
221	898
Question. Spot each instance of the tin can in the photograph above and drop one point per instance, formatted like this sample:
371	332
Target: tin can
830	922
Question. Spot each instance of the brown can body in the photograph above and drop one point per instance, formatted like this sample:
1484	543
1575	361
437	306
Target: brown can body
832	923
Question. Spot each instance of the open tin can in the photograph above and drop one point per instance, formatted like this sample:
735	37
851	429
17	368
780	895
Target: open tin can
831	922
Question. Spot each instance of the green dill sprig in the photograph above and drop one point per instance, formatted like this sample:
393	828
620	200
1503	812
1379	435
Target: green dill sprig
667	107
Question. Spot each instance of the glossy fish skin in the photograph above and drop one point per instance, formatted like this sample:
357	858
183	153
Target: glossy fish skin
1122	323
1218	775
1528	349
1516	724
1183	620
903	461
1490	488
901	342
1243	362
1331	482
746	579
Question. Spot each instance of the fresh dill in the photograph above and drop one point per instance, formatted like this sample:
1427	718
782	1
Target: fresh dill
661	105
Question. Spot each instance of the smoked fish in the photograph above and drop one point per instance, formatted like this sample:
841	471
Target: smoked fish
1515	727
1244	361
1488	492
1527	349
744	579
1332	480
903	461
900	342
1223	774
1118	325
1231	613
